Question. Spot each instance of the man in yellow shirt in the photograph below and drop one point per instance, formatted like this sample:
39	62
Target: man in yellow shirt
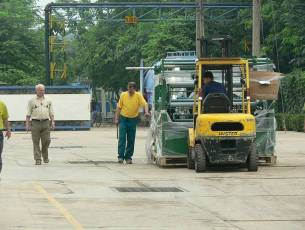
3	124
126	116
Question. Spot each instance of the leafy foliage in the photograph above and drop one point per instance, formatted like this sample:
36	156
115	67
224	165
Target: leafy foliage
293	122
293	95
21	47
284	33
103	52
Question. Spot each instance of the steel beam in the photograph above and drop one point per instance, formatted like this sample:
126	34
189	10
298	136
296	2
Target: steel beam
147	5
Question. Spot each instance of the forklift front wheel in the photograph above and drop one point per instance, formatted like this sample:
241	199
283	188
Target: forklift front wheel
200	159
252	159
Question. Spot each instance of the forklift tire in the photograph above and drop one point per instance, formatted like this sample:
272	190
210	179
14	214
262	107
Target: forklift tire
190	161
201	159
252	159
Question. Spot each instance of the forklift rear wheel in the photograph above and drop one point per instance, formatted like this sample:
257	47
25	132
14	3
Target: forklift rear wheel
190	161
200	160
252	159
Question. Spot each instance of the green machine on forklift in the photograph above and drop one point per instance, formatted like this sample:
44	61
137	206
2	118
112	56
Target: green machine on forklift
172	110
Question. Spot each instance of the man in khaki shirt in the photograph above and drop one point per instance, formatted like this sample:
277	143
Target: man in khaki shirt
40	109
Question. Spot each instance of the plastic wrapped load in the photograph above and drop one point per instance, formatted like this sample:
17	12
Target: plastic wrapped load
167	138
265	132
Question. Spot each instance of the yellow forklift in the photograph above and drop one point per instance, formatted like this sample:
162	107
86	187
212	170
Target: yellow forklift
224	129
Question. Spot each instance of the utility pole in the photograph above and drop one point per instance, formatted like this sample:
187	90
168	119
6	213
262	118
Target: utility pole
199	26
142	76
256	28
47	13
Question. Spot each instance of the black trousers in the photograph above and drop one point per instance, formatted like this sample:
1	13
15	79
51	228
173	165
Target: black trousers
1	148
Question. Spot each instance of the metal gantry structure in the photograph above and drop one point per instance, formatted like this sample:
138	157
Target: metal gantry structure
128	12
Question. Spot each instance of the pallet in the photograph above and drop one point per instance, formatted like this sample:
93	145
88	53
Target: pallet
169	160
267	160
182	160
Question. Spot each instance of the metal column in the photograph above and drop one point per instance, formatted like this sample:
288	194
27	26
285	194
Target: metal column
142	76
256	38
47	48
199	27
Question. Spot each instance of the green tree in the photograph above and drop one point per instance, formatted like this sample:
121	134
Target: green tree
21	47
284	33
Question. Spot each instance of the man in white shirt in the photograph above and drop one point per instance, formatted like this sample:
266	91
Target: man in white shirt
40	110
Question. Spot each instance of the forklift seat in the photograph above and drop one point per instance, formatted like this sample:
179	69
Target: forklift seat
216	103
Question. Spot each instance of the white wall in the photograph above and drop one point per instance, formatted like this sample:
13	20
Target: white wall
66	106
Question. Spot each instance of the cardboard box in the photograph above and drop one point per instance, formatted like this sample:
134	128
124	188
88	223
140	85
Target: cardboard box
264	85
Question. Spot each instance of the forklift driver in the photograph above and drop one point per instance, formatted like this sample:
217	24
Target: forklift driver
211	86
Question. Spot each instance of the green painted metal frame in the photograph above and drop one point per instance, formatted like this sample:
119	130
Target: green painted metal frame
132	6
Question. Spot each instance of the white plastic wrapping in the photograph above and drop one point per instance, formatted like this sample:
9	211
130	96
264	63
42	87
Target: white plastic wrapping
265	132
165	137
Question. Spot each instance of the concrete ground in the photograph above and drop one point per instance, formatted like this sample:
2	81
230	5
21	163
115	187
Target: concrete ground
77	189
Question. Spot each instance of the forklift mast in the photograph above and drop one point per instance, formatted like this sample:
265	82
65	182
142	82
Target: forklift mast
225	43
227	71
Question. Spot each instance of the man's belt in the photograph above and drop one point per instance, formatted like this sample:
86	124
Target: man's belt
128	117
40	119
